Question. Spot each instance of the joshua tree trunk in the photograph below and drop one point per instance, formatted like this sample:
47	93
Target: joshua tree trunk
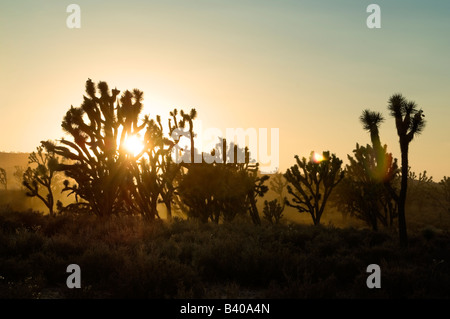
50	200
316	221
253	209
402	197
169	209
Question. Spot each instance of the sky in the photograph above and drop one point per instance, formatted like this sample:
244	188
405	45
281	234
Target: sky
308	68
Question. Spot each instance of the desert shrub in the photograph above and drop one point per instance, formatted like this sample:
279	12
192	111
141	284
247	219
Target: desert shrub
397	281
64	246
375	255
166	249
14	268
347	268
376	238
186	253
28	288
249	260
50	266
147	276
24	242
359	289
10	220
327	288
85	292
99	263
324	244
298	236
55	225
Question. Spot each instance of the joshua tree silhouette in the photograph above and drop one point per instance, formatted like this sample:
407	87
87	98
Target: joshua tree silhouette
227	188
273	211
109	178
409	121
313	182
189	118
3	178
371	122
366	191
94	161
278	185
42	176
155	175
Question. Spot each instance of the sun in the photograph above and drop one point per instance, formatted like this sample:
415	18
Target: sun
133	144
317	157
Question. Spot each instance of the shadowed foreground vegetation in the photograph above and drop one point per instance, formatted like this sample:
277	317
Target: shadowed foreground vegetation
122	257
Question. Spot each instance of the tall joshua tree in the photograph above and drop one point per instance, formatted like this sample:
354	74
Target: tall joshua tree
371	121
95	163
367	192
409	121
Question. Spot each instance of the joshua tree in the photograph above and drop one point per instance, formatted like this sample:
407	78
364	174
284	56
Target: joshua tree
100	171
409	121
257	189
170	172
214	190
3	178
249	171
366	191
109	178
273	211
189	118
371	122
313	181
226	189
42	176
155	174
18	174
278	185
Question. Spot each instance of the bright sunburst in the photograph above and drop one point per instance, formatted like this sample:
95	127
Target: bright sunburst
317	157
133	144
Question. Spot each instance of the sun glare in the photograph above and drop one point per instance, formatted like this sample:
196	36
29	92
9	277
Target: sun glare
317	157
134	145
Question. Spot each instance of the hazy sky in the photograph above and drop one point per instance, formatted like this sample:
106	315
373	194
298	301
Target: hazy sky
308	68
